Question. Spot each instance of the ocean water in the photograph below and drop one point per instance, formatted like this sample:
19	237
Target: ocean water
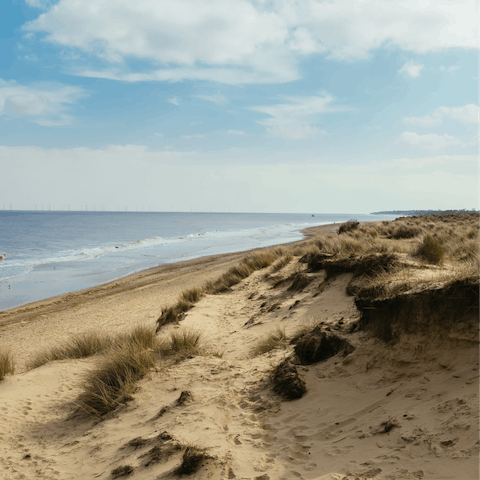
50	253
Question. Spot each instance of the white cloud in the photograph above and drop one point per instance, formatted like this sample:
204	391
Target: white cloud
412	69
216	98
229	41
190	137
466	114
236	132
450	69
41	4
296	119
229	75
430	141
427	121
45	104
247	41
31	57
173	101
349	29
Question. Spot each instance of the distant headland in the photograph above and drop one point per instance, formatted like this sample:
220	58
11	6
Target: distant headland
421	212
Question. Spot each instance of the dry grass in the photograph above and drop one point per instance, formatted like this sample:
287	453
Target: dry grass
450	241
405	279
282	262
113	381
7	364
244	269
142	336
431	249
306	327
122	471
91	343
248	265
193	295
80	346
192	460
274	340
173	314
181	342
348	226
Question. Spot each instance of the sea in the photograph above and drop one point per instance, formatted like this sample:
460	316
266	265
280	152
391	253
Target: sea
49	253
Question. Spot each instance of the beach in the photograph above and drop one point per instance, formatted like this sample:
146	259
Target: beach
119	304
403	410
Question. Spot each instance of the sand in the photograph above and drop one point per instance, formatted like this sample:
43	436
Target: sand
427	389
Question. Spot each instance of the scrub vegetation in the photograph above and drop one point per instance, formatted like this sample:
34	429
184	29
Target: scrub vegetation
7	364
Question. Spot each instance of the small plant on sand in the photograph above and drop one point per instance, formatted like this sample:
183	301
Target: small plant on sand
276	339
91	343
282	262
193	295
122	471
142	336
79	346
7	365
348	226
250	264
113	381
306	327
431	250
192	460
181	341
405	231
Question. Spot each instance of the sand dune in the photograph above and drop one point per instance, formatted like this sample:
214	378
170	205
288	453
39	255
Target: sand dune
401	410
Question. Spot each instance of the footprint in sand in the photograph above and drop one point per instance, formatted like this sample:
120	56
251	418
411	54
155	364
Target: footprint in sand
234	439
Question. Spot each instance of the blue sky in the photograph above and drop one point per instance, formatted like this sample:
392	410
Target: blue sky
260	106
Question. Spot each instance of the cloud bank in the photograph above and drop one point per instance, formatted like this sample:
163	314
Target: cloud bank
242	41
45	104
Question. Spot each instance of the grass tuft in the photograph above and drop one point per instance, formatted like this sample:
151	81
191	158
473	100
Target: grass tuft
91	343
7	364
348	226
142	336
192	295
431	249
274	340
192	460
80	346
181	342
113	381
122	471
405	231
282	262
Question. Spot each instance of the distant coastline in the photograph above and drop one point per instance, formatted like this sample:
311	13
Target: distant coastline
421	212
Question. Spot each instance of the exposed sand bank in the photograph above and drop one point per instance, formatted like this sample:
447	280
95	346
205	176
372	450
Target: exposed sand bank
407	410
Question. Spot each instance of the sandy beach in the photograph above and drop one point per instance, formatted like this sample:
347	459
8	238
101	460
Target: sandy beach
378	410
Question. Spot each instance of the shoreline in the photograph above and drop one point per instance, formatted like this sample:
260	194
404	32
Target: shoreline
153	276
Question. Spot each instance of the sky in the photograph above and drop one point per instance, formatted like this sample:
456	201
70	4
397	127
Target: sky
328	106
